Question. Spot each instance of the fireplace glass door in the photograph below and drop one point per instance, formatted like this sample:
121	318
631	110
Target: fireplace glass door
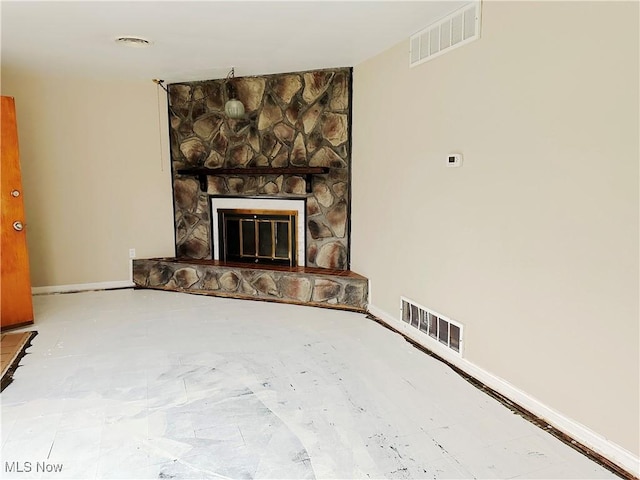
258	236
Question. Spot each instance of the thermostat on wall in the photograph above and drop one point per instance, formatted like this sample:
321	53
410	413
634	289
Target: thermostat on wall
454	160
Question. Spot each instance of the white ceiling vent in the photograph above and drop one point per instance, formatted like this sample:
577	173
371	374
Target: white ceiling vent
452	31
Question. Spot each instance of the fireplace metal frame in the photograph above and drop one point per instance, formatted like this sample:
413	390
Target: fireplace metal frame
258	217
300	246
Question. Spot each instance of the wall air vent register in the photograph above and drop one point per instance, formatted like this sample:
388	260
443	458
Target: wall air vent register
435	326
452	31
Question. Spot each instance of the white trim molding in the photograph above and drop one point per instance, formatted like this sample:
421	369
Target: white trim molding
266	203
596	442
82	287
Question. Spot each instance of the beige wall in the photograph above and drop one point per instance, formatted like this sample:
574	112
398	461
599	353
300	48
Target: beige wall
533	243
96	179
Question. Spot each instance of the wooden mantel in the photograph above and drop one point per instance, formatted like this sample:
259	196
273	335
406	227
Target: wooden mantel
202	173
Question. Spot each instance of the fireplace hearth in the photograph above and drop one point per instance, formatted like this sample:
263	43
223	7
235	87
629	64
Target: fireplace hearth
319	287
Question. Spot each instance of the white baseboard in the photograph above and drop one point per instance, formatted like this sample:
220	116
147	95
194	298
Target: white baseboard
82	287
596	442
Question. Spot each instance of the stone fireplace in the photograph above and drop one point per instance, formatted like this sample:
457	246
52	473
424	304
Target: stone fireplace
290	155
293	121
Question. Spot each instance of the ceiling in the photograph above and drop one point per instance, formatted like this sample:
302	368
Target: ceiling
202	40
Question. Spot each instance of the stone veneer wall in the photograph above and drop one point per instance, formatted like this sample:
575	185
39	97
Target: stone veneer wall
291	120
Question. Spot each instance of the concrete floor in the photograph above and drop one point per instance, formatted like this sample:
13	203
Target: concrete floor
138	384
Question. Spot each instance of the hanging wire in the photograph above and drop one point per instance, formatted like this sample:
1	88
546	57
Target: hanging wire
160	83
160	130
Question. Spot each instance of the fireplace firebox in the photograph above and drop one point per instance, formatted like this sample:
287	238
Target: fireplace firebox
258	236
278	227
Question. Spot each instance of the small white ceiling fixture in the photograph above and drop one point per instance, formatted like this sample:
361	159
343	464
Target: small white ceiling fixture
135	42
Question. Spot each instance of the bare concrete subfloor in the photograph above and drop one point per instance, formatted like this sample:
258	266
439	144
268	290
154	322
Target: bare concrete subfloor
143	384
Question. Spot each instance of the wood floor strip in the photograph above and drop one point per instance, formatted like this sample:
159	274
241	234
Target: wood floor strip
13	347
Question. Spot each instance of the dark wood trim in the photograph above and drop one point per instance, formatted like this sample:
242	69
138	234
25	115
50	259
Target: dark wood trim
350	167
14	326
202	173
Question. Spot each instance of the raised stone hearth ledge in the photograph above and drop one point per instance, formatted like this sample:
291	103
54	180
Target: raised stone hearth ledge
317	287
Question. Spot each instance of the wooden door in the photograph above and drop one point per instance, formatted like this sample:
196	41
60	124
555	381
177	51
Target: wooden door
16	307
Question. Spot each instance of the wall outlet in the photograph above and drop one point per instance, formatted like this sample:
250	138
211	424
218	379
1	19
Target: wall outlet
132	253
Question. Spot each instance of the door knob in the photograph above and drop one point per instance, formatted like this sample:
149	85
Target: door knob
17	226
15	193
